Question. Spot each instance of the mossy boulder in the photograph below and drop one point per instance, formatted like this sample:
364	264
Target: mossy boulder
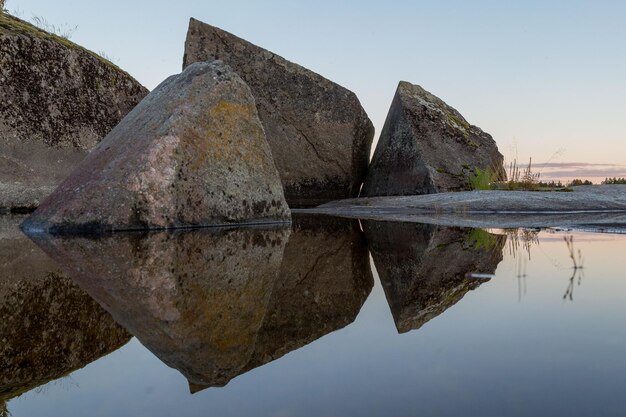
319	133
192	153
57	101
427	147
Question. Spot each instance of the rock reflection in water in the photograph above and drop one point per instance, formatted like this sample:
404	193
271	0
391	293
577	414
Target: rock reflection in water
324	280
215	303
49	327
196	299
424	268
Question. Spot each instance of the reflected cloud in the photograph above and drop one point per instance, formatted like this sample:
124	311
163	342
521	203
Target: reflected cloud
426	269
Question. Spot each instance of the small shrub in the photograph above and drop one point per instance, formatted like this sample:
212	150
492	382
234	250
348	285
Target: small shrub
483	179
522	179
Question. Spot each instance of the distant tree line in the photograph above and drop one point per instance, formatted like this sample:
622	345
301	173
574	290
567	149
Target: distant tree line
614	180
559	184
580	182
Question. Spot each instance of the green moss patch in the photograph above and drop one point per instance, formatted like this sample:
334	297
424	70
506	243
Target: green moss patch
11	25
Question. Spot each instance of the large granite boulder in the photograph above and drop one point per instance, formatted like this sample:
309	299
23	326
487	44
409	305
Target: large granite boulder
57	100
193	152
319	134
426	269
427	147
49	327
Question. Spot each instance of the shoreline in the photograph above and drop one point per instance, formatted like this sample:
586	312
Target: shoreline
599	208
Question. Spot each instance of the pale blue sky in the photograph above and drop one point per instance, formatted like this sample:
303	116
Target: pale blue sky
547	76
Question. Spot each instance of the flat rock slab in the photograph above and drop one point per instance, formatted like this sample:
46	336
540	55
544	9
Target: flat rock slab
318	131
57	101
192	153
594	207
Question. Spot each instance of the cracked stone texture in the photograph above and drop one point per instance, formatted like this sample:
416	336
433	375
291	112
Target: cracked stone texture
318	131
57	101
193	152
427	147
49	326
196	298
423	268
324	279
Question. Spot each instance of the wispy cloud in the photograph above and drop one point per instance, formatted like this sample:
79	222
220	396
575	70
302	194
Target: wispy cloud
571	165
565	170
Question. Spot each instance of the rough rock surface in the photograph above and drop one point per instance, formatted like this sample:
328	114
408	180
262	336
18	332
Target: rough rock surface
319	134
57	100
324	279
49	327
581	199
427	147
424	269
196	298
193	152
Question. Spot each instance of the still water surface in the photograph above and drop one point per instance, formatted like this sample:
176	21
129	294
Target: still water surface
327	318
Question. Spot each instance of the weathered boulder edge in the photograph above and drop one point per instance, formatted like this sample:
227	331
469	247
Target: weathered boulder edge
192	153
319	133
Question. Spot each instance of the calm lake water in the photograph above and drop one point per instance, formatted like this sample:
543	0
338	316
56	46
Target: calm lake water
328	317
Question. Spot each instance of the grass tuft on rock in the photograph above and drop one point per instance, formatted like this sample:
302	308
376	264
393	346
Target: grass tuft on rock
12	25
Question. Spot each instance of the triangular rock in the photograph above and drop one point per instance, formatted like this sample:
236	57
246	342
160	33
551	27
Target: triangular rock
192	153
319	133
427	147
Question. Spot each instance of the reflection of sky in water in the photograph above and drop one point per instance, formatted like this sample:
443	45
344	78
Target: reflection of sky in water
494	353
